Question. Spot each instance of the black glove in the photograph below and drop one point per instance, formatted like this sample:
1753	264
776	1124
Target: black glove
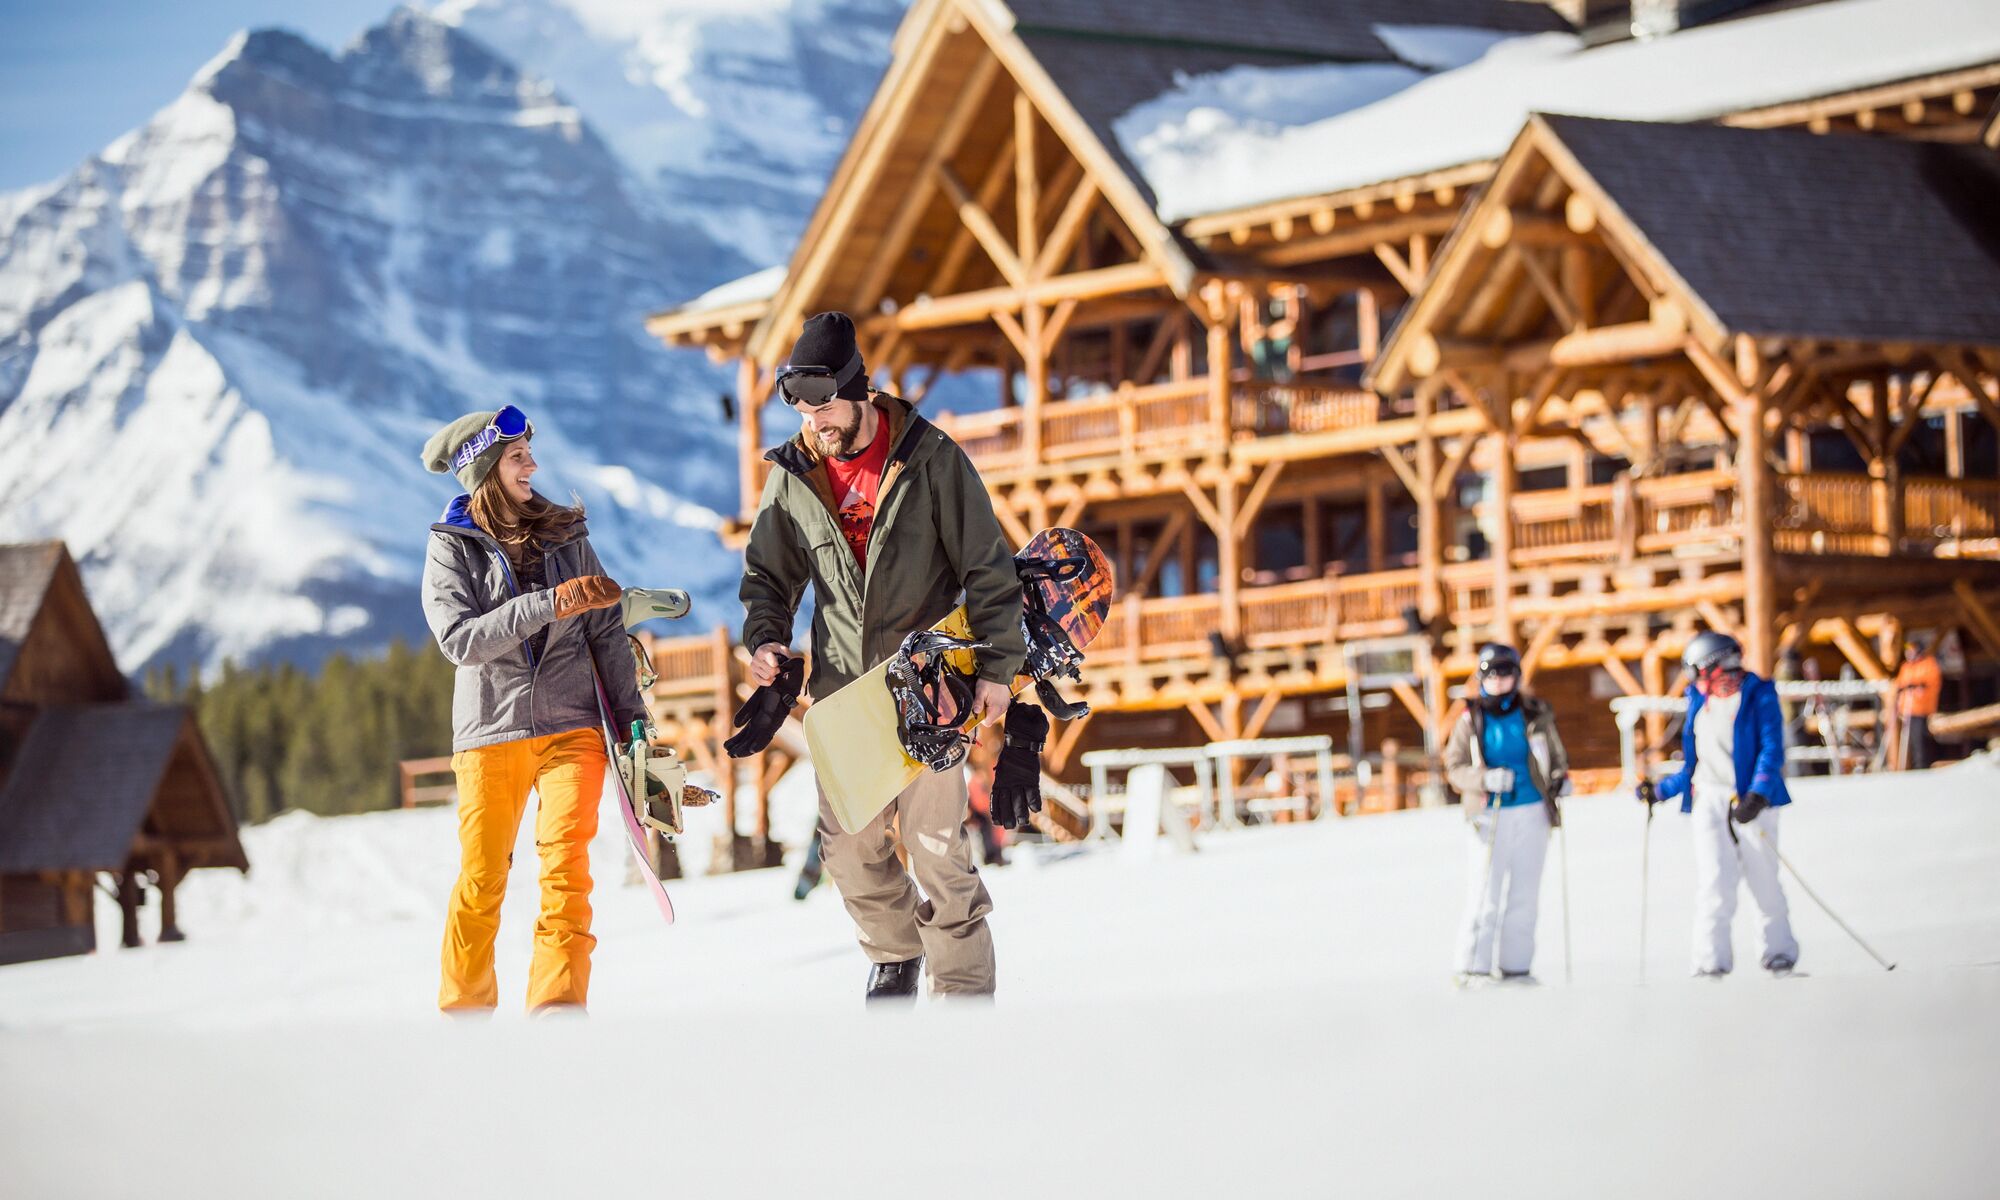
1745	810
1017	776
1647	793
757	721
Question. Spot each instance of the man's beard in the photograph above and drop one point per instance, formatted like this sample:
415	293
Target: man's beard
839	439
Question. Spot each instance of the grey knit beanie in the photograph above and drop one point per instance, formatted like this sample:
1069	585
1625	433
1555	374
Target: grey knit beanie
443	447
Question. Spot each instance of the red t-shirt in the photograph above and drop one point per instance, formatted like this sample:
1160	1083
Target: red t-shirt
855	483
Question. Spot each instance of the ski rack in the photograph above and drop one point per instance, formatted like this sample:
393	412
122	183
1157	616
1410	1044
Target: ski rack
1838	696
1363	682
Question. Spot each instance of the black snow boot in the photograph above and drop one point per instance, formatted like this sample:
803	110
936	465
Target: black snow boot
895	980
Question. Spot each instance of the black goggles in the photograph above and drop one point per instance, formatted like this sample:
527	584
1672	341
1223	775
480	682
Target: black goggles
1499	669
815	386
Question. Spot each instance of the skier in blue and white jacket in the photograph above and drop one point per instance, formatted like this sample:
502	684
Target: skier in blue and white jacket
1732	781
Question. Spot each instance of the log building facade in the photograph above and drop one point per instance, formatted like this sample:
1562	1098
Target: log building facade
1620	381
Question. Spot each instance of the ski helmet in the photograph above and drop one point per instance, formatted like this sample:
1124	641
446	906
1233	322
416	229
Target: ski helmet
1495	659
1712	650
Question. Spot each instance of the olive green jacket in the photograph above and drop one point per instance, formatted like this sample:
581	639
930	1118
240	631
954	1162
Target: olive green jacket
934	538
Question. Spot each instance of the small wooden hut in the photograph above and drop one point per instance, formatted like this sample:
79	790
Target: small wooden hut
92	782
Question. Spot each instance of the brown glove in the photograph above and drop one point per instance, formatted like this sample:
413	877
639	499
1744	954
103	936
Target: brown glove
584	593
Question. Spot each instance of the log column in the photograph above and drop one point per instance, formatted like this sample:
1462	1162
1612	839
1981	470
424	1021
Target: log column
1760	593
1505	478
750	431
128	906
170	878
1430	541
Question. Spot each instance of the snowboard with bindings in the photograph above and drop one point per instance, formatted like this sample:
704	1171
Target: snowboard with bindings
876	736
651	781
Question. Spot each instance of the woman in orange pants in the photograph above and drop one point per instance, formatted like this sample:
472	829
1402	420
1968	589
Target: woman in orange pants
520	604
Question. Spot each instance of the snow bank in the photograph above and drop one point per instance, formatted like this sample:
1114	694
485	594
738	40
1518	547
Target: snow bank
1221	142
1269	1016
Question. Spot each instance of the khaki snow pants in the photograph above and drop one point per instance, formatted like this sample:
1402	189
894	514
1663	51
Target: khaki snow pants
566	770
947	925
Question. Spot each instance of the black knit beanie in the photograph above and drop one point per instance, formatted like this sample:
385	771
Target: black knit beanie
828	341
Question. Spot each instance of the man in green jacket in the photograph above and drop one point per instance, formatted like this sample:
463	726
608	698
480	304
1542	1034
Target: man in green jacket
888	520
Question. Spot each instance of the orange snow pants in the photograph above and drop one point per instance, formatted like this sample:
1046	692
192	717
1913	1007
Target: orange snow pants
567	771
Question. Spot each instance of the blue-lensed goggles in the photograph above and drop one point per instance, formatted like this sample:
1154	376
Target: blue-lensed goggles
506	425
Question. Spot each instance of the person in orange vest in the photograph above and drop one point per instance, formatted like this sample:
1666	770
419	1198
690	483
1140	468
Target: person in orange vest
1918	683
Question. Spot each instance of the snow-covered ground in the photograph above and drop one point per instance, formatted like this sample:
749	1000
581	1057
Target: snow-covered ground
1270	1016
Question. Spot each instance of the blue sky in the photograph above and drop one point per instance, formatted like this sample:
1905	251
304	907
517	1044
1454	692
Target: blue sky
74	74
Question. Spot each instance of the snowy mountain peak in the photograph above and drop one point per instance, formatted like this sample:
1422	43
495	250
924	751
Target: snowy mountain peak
260	302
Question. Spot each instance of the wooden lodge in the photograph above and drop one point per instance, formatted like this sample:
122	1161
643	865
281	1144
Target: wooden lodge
1608	384
92	782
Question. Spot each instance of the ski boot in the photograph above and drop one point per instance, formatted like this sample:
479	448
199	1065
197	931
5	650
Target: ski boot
895	980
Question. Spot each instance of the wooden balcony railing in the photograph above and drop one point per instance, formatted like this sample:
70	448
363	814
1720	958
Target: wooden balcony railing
1160	417
1951	510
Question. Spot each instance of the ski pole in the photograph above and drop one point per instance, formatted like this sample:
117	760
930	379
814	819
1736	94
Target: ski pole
1786	863
1645	860
1486	893
1562	836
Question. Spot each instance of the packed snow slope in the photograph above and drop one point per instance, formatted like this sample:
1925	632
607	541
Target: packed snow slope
224	339
1269	1016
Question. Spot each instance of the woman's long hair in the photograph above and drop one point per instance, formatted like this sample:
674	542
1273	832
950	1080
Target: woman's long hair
524	531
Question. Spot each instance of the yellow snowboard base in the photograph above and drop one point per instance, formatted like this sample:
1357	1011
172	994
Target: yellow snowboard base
856	755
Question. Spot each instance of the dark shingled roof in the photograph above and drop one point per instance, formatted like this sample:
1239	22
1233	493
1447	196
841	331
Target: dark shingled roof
1109	56
82	782
1820	236
1319	29
26	571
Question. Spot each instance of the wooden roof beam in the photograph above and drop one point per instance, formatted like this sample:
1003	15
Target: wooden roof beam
968	307
911	209
980	222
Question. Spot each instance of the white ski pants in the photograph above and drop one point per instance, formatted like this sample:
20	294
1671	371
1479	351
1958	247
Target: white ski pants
1506	896
1719	864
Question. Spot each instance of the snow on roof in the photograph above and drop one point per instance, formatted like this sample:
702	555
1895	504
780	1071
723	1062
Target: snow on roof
1252	135
761	286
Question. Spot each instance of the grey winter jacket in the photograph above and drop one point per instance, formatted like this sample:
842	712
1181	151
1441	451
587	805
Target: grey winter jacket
503	691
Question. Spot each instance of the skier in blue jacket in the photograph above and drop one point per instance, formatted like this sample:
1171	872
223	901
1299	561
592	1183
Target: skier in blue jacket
1732	780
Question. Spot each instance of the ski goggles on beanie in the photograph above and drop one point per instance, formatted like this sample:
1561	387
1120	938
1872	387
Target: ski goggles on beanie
507	424
815	386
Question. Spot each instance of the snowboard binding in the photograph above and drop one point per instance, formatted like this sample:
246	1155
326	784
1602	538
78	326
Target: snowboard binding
657	781
923	680
1051	653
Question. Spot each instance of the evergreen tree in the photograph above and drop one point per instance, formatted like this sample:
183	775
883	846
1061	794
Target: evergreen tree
327	744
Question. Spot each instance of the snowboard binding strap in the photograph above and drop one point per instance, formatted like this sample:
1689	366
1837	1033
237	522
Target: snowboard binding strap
1051	654
922	680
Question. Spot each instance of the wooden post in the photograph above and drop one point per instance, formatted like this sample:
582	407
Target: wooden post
725	703
170	878
1760	592
128	905
1036	363
1505	478
1378	524
750	431
1430	542
1392	773
1228	560
1369	319
1315	536
1218	375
